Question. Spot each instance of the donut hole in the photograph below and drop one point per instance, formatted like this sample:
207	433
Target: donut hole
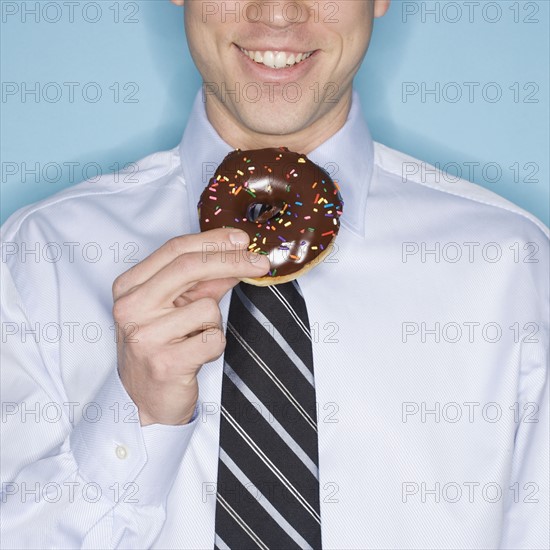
258	212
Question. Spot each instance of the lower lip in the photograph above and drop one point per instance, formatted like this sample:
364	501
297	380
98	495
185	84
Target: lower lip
268	74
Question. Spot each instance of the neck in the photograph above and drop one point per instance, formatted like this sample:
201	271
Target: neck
304	140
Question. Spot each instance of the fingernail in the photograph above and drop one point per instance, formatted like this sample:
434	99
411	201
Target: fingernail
239	237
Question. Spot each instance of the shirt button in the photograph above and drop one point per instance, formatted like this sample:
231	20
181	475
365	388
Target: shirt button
121	452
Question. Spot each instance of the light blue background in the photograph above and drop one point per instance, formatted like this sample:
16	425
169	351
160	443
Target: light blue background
153	54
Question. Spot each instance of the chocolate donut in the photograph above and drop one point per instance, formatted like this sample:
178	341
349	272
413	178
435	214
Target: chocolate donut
288	205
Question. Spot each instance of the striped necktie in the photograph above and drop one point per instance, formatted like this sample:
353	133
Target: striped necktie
268	482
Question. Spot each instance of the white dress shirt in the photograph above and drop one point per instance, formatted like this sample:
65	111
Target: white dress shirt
430	329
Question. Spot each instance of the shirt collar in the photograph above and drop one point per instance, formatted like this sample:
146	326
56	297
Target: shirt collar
347	156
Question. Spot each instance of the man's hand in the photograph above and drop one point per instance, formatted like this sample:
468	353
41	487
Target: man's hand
169	321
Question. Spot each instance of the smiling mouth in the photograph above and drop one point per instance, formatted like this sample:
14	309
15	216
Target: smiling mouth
275	59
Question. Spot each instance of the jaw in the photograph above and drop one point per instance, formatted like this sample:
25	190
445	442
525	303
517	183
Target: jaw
301	131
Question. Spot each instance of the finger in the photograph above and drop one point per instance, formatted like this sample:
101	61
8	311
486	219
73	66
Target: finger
206	346
179	323
206	242
186	271
215	289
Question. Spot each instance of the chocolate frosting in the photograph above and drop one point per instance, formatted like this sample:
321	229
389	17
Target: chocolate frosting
288	205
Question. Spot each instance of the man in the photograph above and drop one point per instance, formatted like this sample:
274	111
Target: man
428	325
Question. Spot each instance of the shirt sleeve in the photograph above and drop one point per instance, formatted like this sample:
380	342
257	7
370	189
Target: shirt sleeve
527	508
100	482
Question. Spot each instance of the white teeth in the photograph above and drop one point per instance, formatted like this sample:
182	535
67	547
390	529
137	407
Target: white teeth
277	60
269	59
280	60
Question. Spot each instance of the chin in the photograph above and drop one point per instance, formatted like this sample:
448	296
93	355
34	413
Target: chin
280	120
